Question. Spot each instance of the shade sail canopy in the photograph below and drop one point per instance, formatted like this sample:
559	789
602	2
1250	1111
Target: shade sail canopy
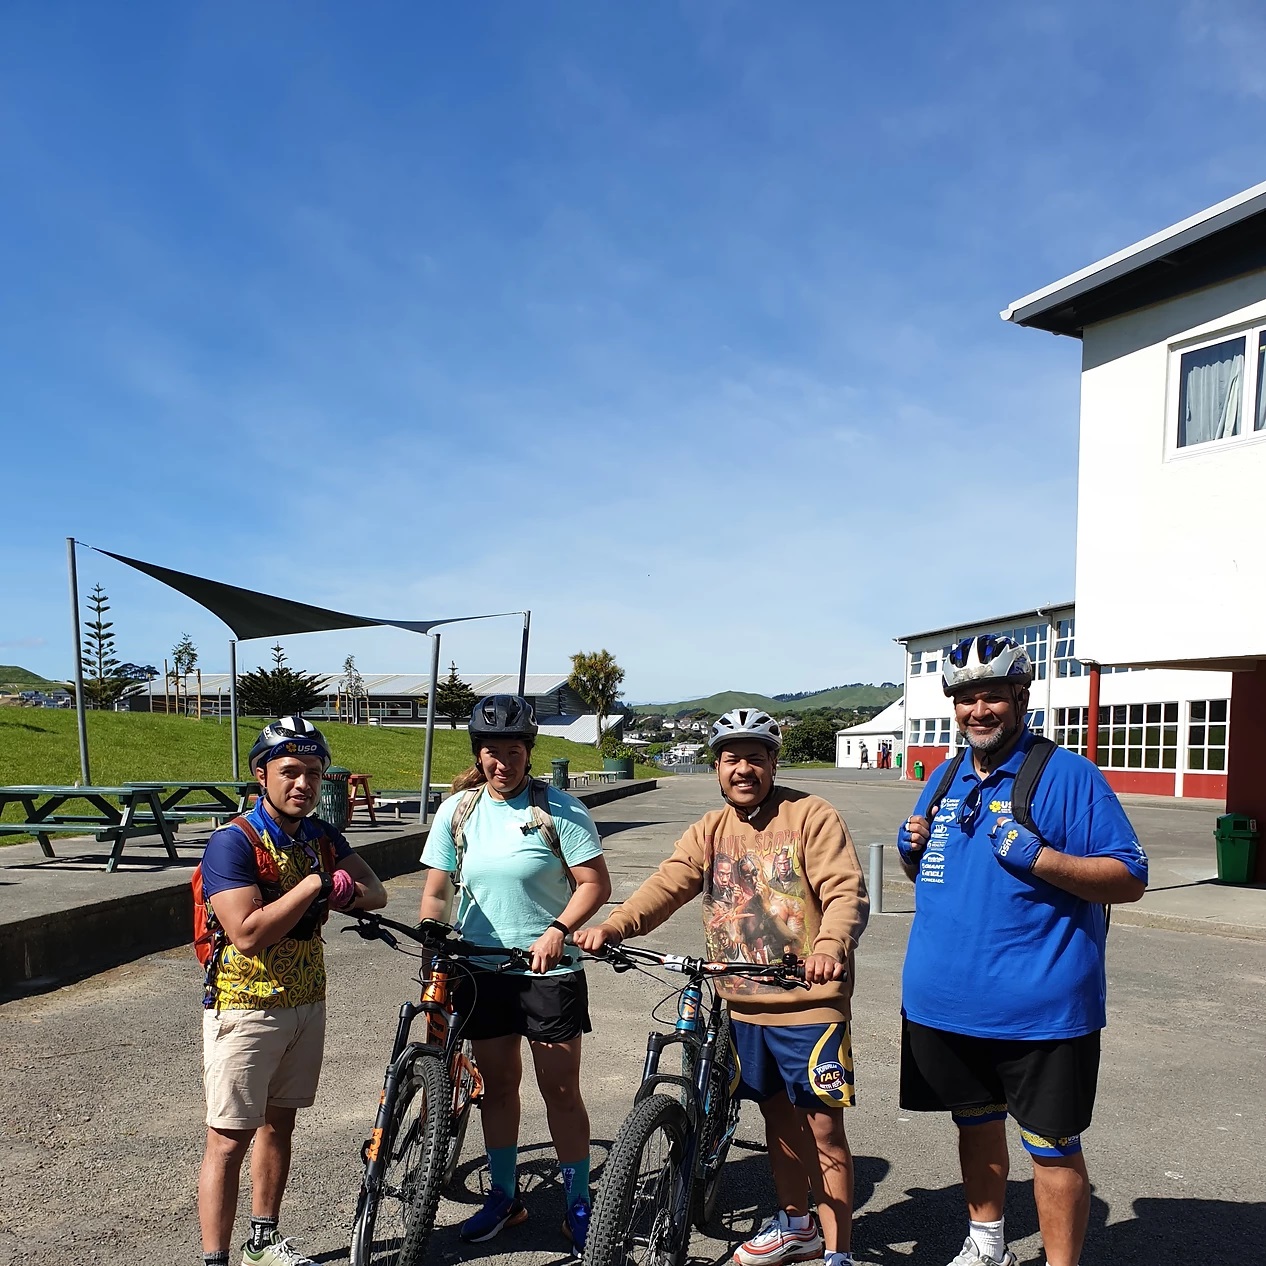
252	614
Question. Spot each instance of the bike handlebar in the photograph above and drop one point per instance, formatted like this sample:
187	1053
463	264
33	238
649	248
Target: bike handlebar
788	972
439	938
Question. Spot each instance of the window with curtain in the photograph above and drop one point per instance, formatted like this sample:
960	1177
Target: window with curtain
1210	380
1259	414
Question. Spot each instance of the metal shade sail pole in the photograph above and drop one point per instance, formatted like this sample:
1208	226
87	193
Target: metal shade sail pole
527	625
80	709
430	726
237	765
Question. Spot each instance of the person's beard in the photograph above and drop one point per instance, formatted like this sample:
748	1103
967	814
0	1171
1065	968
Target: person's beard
991	743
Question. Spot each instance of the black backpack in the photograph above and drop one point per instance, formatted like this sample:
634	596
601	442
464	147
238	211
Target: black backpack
1026	779
1035	761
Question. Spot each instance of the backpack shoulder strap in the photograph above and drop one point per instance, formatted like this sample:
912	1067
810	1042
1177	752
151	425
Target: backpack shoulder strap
1026	779
457	825
947	781
538	797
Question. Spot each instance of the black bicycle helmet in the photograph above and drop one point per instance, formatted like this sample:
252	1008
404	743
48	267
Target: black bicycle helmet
502	717
289	736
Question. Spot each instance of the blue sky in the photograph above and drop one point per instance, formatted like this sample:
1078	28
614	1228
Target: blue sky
676	323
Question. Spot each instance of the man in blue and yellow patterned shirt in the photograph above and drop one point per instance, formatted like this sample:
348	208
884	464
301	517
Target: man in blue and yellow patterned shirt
269	880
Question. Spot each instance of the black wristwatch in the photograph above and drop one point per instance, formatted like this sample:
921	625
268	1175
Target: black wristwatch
327	885
561	926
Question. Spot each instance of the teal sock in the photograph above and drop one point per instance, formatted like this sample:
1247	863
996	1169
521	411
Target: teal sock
575	1180
503	1162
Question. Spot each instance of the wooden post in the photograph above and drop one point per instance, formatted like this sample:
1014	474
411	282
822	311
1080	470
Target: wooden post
199	672
166	688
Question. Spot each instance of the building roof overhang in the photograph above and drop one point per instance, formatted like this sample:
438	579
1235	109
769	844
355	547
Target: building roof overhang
1215	245
998	621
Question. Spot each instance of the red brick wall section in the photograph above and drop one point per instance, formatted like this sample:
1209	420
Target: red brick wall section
930	756
1144	782
1204	786
1246	755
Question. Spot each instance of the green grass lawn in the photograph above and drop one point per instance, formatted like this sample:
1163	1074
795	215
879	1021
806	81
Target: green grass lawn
39	745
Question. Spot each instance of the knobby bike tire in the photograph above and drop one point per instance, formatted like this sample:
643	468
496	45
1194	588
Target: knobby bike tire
714	1144
462	1105
632	1221
417	1143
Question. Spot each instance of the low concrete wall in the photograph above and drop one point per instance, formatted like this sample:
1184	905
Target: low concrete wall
64	945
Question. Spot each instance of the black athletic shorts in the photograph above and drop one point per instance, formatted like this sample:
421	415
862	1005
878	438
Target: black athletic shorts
1049	1087
540	1008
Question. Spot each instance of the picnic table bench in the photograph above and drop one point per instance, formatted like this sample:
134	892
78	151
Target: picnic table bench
139	811
223	799
602	775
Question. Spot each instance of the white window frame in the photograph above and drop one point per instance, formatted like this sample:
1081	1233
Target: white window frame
1204	723
1253	333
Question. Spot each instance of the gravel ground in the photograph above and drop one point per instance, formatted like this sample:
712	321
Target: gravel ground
100	1097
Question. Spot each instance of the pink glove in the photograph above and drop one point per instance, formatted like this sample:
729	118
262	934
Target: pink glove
344	892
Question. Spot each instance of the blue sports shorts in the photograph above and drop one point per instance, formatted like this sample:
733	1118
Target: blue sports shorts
813	1063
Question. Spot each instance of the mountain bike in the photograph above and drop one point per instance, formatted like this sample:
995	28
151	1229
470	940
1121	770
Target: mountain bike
663	1171
427	1094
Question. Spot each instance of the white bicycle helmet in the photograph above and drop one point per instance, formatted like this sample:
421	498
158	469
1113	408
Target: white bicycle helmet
989	657
741	723
289	736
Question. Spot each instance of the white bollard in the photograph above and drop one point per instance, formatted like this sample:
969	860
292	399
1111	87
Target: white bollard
876	882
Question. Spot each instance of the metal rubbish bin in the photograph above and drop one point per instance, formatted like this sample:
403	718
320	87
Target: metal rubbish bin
918	770
334	807
559	777
1236	838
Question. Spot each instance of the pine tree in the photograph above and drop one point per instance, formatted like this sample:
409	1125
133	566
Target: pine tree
280	691
454	699
104	681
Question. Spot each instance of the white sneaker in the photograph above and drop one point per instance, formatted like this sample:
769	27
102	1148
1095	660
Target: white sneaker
970	1255
278	1253
778	1241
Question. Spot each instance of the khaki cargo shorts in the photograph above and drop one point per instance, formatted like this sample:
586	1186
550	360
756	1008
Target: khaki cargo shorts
254	1059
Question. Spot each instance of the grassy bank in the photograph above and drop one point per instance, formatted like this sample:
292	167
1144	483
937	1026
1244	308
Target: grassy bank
39	745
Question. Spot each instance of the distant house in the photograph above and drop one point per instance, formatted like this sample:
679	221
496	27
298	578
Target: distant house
887	727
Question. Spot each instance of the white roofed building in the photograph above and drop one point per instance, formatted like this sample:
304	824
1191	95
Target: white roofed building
1171	571
887	727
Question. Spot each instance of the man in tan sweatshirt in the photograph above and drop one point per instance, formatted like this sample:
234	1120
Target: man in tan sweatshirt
779	875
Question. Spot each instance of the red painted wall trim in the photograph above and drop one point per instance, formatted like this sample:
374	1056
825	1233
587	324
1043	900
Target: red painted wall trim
930	756
1145	782
1246	753
1204	786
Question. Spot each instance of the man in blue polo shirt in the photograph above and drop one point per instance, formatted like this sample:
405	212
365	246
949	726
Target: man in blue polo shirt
1004	988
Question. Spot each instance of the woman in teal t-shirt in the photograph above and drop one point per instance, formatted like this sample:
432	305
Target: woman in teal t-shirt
516	890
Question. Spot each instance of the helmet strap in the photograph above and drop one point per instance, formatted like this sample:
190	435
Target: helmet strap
284	819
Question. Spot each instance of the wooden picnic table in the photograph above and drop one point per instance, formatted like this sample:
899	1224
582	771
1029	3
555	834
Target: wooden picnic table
139	811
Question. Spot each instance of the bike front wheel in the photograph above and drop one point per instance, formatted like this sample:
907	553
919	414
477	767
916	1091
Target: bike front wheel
642	1214
395	1215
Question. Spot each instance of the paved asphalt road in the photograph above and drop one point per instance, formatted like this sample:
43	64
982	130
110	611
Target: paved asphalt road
101	1102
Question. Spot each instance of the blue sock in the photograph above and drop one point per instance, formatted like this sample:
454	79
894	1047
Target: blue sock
503	1162
575	1180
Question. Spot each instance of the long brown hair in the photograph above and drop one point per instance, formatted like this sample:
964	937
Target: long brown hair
474	776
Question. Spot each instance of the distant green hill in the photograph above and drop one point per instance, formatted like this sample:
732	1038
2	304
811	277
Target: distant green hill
839	697
14	678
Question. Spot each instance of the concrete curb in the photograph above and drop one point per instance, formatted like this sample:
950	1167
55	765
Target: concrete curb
40	953
1181	923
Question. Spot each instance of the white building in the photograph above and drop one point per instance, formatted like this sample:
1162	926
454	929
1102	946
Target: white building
1170	568
887	727
1160	731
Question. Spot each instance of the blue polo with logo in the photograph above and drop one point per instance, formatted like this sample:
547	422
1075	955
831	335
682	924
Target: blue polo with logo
999	955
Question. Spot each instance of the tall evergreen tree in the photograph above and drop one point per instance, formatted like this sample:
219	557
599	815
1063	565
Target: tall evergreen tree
105	681
454	699
280	691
